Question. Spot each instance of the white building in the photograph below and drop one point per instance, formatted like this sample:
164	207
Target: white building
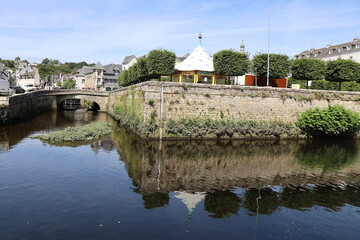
28	76
349	50
128	62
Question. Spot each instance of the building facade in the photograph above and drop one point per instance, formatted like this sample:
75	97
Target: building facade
349	50
27	76
98	77
128	62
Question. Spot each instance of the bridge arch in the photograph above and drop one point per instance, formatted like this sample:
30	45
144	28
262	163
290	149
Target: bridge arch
76	101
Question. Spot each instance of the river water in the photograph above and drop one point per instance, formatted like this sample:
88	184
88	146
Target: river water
122	188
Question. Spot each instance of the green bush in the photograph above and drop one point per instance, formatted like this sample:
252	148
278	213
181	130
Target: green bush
324	85
350	86
335	121
292	81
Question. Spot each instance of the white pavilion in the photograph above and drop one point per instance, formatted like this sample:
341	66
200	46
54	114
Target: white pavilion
198	67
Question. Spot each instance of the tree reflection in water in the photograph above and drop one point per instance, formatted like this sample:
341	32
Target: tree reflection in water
252	167
329	155
222	204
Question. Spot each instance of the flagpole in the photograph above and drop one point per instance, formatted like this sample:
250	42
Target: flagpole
268	57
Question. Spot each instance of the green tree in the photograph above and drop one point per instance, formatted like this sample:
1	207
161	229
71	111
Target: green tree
308	69
142	68
124	78
279	65
342	70
231	63
161	63
133	74
69	84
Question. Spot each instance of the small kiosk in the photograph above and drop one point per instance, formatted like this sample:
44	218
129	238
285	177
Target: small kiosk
198	67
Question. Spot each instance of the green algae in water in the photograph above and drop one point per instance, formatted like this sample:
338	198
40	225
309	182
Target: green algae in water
86	133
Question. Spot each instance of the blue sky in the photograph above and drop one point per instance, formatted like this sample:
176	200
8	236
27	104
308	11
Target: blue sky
108	30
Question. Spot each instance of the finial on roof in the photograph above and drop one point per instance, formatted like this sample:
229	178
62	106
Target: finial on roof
242	46
200	37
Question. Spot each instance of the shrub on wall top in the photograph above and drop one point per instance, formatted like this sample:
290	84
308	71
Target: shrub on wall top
335	121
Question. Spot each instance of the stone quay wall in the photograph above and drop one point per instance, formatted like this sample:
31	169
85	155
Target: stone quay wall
226	103
185	110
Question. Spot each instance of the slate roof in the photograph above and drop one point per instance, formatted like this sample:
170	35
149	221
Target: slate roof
112	68
128	59
84	70
180	59
99	66
330	50
27	71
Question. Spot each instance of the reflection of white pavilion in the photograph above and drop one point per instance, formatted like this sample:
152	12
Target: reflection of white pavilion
198	67
190	199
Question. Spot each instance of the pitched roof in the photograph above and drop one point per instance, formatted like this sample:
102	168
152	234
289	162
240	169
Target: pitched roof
111	68
330	50
84	70
199	59
128	59
99	66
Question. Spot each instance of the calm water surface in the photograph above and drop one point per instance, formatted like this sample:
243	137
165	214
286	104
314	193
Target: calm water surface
123	188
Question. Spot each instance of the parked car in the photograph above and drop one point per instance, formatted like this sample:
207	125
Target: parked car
18	89
29	88
5	88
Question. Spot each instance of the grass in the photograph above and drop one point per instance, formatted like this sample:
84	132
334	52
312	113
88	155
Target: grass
86	133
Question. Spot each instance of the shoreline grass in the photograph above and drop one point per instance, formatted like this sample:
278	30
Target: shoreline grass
86	133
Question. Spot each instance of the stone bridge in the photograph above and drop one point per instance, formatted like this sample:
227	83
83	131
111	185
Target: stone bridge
26	105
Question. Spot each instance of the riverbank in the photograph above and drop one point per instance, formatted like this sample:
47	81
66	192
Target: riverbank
168	110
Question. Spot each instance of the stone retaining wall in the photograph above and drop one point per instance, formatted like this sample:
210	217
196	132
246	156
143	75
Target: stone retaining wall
230	103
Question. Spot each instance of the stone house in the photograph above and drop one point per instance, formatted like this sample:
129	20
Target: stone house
98	77
27	76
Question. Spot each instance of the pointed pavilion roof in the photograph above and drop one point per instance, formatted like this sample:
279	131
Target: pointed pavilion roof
190	199
199	60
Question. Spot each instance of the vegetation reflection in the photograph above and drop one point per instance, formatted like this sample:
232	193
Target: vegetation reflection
327	155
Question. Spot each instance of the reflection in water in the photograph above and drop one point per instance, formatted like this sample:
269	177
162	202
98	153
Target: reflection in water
307	174
327	155
107	189
43	124
155	200
222	204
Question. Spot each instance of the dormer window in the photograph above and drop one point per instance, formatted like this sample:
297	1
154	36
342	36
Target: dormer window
330	51
357	45
344	48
